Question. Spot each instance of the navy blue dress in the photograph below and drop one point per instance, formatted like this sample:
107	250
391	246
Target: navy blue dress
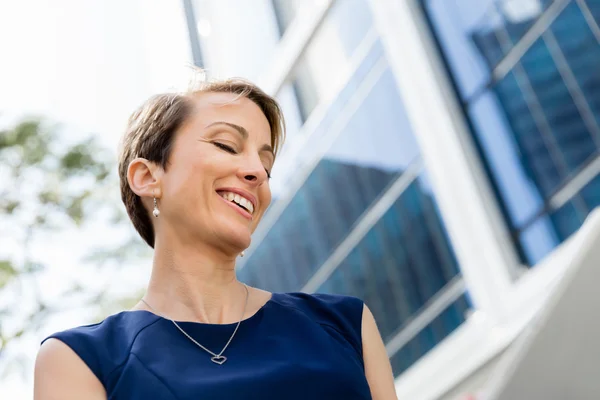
297	346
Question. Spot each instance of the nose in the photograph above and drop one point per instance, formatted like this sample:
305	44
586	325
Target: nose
252	171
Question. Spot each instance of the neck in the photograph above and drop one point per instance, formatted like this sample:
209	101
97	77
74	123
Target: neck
195	283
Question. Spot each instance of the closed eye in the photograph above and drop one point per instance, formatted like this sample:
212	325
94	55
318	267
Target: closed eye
231	150
224	147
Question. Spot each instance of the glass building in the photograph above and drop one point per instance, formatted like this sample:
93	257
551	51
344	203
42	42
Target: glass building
438	157
532	68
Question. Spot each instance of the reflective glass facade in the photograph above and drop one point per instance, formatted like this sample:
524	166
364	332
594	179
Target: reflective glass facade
527	74
331	50
361	218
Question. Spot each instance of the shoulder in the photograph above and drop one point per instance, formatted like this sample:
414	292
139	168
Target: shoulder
322	306
102	347
60	373
339	312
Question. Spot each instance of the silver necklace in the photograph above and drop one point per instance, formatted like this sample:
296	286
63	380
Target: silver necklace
216	358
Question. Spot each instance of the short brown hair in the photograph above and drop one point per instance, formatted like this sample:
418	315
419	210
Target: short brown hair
151	131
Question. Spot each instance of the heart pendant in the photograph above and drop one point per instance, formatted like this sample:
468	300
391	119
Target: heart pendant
218	359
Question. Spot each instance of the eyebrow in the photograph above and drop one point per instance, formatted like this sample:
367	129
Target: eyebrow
243	132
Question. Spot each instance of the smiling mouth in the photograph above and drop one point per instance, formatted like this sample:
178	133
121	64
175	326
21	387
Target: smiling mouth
238	200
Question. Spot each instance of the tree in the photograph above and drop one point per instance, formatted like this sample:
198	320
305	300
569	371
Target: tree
48	185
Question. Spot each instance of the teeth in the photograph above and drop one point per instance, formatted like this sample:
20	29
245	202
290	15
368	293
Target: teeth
246	204
242	201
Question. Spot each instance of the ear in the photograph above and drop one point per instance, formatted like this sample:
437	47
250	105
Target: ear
144	178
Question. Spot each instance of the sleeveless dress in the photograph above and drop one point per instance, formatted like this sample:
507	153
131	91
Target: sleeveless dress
297	346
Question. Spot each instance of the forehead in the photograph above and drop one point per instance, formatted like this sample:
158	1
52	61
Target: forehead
232	108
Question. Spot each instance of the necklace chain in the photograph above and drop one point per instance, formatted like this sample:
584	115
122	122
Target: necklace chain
216	358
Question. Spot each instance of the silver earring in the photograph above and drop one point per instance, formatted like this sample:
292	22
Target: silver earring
242	254
156	211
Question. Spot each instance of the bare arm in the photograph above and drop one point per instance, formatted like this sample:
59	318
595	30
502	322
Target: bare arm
61	374
377	364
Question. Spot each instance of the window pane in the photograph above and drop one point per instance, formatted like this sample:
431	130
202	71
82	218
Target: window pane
440	328
538	124
328	56
552	228
373	148
401	263
454	21
287	10
287	98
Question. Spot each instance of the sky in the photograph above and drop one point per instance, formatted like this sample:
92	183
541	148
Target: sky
85	65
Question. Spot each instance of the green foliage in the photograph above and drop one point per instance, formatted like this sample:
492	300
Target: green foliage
7	272
48	185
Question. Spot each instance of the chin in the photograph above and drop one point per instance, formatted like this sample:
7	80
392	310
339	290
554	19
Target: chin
237	239
241	242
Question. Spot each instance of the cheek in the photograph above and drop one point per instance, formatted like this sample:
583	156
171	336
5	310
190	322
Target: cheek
188	180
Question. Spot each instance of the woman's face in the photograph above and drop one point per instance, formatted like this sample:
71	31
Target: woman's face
216	185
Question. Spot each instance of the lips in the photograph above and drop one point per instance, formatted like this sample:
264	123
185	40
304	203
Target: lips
241	211
243	202
239	200
236	195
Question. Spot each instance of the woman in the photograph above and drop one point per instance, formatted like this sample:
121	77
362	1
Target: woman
194	173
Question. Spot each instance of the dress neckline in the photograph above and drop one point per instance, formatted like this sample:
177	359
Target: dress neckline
195	323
